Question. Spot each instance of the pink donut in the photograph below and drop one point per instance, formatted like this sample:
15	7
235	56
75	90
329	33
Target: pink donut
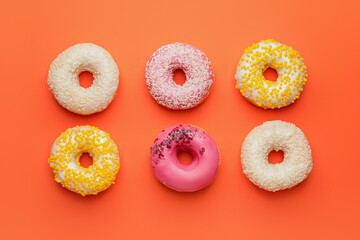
160	71
185	178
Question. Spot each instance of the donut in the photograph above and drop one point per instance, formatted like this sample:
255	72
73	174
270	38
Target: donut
160	71
63	78
276	135
264	93
67	150
175	175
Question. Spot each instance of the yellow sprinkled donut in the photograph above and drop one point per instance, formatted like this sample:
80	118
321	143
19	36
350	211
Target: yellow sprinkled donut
67	150
264	93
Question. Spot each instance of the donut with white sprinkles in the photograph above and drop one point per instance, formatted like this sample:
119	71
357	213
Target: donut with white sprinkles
276	135
67	150
285	60
160	71
63	78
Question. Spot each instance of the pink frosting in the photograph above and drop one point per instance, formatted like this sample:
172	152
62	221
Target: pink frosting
160	71
185	178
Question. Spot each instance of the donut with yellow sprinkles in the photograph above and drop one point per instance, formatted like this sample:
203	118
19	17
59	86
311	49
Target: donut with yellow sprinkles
285	60
67	150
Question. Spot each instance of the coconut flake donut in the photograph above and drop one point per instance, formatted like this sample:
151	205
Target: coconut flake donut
180	177
264	93
160	71
276	135
67	150
63	78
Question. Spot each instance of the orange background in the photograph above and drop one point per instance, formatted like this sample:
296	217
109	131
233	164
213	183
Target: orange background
33	205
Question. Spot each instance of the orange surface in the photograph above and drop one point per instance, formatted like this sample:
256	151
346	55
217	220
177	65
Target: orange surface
34	206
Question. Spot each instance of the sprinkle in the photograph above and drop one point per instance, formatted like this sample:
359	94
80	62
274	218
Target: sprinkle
180	135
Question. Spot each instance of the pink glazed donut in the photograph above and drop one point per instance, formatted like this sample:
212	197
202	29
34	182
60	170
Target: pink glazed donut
160	71
185	178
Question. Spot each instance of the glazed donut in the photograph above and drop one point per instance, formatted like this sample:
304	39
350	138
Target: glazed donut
264	93
160	71
63	78
180	177
276	135
67	150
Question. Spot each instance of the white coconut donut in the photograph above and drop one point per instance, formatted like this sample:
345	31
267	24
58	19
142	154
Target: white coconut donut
63	78
67	150
264	93
276	135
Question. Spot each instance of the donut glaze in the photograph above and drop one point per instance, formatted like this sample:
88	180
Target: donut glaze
185	178
264	93
160	71
276	135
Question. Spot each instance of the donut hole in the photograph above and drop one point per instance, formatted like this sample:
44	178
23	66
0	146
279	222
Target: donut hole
86	79
86	160
185	157
179	77
276	157
270	74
